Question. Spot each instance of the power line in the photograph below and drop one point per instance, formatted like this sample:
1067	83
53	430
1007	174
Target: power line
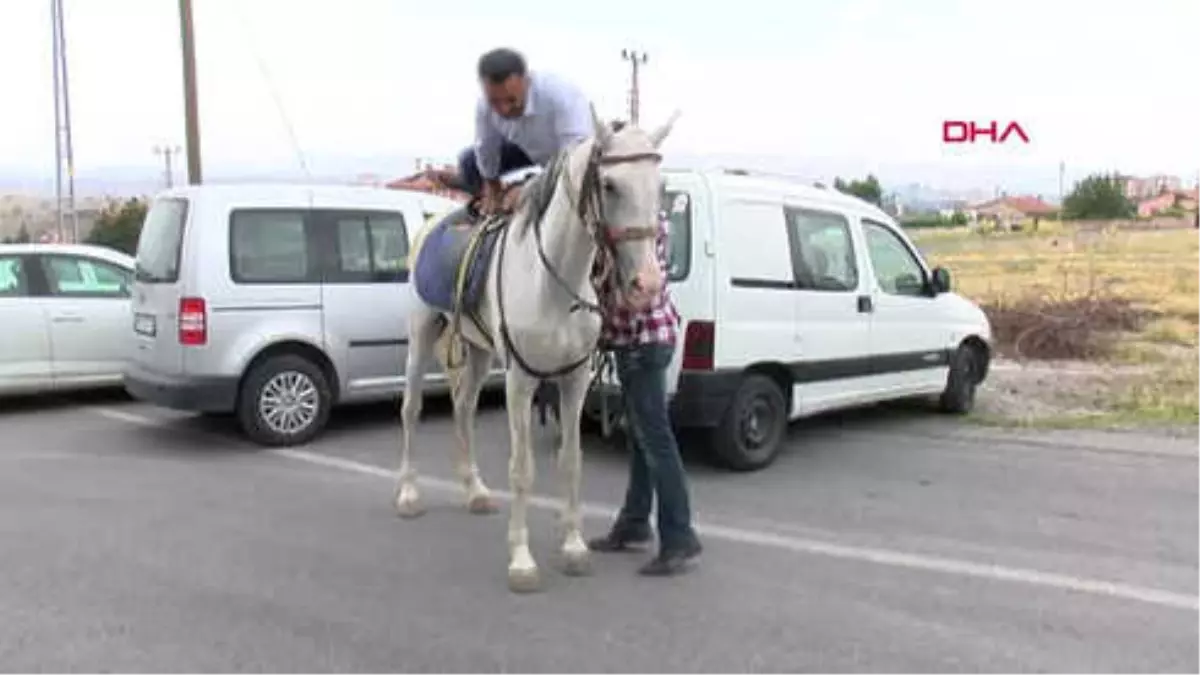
275	96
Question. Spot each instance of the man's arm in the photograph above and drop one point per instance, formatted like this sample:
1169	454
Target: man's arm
488	142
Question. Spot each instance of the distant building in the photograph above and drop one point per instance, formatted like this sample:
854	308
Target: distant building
1137	189
1183	200
1012	212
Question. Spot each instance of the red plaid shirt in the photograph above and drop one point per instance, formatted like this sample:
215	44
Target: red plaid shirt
659	324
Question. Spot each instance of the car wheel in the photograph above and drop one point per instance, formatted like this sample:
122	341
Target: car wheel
750	435
284	401
962	382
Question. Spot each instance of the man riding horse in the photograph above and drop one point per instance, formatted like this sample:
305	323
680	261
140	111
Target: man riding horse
523	119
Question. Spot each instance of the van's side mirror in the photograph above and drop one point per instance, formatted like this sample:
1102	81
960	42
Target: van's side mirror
940	281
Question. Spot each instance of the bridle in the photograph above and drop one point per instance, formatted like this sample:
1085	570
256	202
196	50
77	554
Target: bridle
589	208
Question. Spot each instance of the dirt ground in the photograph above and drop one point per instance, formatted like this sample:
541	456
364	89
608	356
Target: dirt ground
1064	394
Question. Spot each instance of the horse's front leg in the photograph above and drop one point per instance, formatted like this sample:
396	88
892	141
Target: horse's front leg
522	569
572	390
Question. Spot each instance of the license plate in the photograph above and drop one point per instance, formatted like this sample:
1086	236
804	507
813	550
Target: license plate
144	324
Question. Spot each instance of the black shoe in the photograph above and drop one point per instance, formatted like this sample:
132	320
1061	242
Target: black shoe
671	562
622	538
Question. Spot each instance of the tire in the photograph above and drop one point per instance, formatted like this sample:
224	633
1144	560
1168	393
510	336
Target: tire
284	374
751	433
961	384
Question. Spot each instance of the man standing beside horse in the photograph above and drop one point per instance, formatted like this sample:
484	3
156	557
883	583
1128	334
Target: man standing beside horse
644	343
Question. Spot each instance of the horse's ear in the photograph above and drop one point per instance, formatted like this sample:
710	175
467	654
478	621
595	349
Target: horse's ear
660	134
602	132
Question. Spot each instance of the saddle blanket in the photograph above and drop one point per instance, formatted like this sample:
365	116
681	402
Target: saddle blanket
437	265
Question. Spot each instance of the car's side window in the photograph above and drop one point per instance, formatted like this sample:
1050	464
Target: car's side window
677	206
14	283
372	247
823	256
78	277
896	268
389	247
270	247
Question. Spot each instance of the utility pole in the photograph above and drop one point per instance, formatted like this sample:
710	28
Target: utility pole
636	60
1196	222
168	152
191	110
1062	171
58	155
63	147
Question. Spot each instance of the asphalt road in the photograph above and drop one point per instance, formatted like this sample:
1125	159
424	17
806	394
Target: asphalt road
136	539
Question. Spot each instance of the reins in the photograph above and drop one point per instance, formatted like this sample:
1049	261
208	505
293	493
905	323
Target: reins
589	208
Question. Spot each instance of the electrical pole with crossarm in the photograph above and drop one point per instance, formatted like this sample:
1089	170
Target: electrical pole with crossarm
636	59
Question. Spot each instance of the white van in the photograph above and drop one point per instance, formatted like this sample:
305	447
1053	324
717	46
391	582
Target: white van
798	300
275	302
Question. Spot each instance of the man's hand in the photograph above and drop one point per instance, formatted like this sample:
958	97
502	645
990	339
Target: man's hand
489	201
508	203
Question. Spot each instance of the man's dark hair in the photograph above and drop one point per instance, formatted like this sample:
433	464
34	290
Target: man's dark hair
498	65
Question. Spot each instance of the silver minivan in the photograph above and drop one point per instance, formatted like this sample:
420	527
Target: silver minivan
275	302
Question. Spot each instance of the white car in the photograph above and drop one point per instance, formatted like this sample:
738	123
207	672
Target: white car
64	317
798	300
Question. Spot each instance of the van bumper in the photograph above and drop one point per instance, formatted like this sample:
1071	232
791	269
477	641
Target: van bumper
700	399
191	394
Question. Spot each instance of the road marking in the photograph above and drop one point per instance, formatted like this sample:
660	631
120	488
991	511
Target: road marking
879	556
131	418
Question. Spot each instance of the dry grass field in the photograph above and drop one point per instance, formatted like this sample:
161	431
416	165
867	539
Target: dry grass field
1098	327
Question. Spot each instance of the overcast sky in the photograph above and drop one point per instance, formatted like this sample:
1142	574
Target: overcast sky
1094	83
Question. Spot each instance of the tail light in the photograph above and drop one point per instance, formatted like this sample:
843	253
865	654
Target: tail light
698	345
193	321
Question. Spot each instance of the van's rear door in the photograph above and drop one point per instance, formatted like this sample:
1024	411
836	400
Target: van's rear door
157	288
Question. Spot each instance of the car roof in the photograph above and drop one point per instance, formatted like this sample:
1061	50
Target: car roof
102	252
790	185
301	193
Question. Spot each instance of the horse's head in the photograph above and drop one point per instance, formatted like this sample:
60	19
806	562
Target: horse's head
623	175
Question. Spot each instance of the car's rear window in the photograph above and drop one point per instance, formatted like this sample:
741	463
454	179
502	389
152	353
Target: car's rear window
161	241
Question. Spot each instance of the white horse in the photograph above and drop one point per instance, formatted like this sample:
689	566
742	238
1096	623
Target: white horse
538	313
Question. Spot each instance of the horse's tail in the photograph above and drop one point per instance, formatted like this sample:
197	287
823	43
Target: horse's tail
419	238
452	364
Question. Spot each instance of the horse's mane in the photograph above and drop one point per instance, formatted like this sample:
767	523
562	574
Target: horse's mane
537	193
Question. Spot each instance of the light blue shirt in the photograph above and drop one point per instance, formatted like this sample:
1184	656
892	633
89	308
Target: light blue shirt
557	114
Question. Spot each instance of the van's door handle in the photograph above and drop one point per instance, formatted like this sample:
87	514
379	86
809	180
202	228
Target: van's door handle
68	318
865	306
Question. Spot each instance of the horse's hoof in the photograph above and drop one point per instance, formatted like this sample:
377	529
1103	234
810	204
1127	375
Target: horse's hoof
577	565
523	581
409	509
482	505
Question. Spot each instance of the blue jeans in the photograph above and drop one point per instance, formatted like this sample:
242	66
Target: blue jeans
511	159
655	466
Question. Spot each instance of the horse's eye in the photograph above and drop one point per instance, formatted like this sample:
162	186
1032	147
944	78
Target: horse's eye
609	186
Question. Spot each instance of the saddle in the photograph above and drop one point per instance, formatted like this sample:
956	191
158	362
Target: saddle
452	265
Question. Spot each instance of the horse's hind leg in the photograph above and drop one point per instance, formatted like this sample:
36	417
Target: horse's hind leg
424	328
470	383
572	389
